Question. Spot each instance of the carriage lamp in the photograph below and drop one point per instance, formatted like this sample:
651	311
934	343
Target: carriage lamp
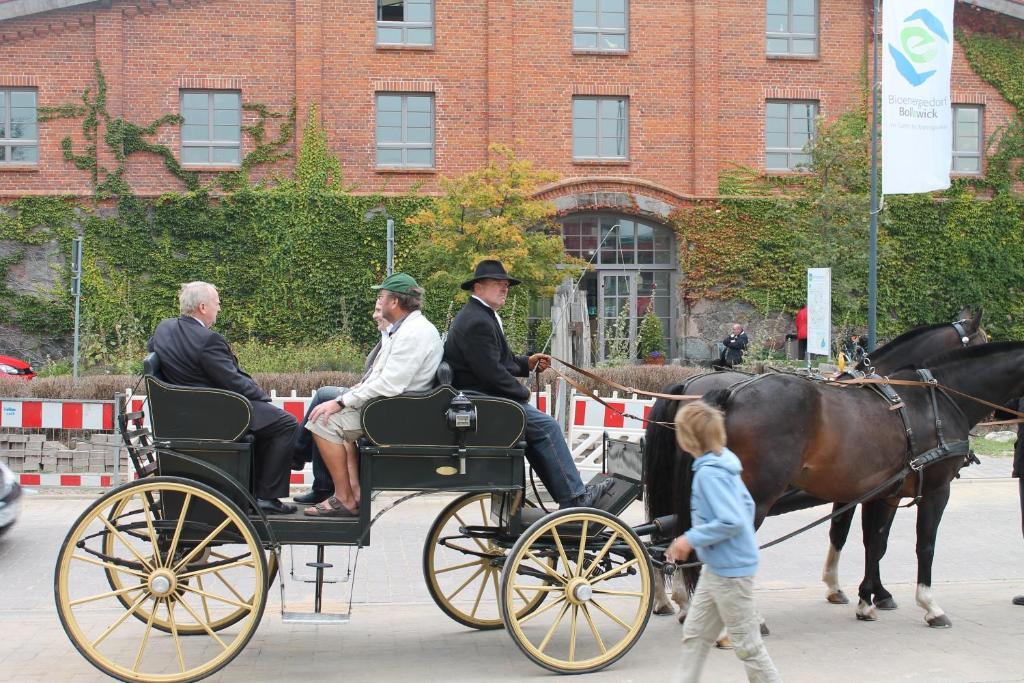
461	415
461	419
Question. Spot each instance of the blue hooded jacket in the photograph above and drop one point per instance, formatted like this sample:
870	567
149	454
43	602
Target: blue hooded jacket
723	516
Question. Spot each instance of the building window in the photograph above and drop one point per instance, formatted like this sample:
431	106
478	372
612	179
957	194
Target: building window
633	264
600	25
19	132
600	128
211	134
792	28
405	130
967	138
405	22
789	127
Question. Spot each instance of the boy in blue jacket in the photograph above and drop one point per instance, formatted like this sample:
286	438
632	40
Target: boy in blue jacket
723	536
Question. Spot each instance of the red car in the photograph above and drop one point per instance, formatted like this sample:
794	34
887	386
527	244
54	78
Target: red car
18	368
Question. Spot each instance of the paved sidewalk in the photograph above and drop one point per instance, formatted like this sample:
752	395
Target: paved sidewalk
398	634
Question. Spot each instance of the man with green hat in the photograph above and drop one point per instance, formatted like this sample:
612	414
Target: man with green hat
407	361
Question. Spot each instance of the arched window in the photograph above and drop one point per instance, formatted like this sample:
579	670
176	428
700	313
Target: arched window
634	266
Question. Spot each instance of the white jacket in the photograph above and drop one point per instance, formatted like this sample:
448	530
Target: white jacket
407	361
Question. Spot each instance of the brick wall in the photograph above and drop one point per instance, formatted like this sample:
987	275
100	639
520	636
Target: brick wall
502	71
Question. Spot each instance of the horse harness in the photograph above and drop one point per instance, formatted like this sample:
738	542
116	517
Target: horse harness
943	449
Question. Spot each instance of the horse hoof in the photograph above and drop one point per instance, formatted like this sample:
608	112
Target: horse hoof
663	610
885	603
682	617
724	644
764	630
941	621
838	598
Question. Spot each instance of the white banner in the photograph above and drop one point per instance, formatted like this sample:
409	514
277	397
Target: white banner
819	311
917	129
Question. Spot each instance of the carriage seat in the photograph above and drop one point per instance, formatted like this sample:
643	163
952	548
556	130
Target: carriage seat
193	413
205	424
417	418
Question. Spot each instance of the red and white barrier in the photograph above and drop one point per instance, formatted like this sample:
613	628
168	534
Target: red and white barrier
68	480
97	416
590	420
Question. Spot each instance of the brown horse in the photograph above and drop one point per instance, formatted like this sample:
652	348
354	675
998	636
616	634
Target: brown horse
792	431
662	456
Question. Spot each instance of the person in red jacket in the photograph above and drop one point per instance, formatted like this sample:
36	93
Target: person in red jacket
801	333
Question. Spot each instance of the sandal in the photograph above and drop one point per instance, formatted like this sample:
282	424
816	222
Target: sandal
332	507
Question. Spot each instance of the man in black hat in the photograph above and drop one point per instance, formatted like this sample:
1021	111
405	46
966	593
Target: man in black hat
480	359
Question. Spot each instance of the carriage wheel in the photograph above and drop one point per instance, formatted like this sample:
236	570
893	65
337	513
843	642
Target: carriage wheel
600	594
185	557
463	584
130	509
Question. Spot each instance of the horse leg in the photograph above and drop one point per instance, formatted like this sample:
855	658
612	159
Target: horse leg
662	605
876	519
882	598
838	532
929	514
680	595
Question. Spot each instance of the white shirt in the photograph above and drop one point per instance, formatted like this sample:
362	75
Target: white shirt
407	361
502	327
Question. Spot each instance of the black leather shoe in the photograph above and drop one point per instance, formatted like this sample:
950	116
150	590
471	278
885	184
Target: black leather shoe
1019	600
590	497
312	497
272	506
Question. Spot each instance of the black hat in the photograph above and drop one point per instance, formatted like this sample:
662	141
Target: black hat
489	269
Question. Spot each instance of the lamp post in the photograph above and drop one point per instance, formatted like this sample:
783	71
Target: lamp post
381	211
76	291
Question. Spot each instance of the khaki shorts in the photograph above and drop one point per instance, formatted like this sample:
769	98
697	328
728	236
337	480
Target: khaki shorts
339	427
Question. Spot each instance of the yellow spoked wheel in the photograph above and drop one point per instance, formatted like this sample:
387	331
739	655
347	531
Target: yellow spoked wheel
600	594
462	571
180	558
131	510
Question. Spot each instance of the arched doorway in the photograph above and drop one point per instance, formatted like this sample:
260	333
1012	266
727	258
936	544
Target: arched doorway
634	266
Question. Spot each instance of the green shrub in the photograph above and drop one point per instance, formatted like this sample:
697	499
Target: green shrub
651	336
334	355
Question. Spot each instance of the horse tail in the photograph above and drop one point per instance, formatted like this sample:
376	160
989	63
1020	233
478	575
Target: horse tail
661	455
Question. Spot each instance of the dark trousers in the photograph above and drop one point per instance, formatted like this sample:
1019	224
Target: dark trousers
304	448
801	349
273	431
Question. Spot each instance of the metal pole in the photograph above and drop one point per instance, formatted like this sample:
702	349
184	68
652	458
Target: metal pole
76	290
873	249
391	246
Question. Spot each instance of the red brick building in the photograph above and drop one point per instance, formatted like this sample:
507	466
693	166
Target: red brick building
638	104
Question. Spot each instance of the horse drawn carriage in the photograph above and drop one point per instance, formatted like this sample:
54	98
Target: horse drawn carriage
186	559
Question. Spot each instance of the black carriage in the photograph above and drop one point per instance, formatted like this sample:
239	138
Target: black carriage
186	557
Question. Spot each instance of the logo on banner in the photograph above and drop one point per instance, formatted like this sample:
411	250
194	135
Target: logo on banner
919	48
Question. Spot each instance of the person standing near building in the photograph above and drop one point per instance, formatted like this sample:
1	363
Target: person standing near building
723	536
801	333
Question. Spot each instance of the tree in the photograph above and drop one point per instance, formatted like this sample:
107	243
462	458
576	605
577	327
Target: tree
492	214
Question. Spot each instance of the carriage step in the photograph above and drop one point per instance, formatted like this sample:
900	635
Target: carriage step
324	618
320	565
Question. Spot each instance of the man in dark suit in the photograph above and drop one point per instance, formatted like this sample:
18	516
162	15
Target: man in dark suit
480	359
734	346
191	354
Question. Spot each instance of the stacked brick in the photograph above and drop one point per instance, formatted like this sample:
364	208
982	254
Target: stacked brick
32	453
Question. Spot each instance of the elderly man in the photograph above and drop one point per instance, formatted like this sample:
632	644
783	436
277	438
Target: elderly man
407	361
733	347
481	360
192	354
303	447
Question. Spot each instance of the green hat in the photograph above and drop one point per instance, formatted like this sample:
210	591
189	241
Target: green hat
400	283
